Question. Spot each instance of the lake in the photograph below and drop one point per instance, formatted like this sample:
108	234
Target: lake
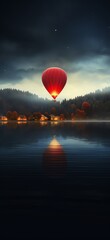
55	179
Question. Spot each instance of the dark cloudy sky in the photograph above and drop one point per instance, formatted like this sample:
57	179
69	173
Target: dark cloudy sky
72	34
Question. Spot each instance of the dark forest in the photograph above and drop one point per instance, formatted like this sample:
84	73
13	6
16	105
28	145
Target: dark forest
30	104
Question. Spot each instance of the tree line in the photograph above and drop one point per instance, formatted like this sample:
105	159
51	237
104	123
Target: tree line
92	105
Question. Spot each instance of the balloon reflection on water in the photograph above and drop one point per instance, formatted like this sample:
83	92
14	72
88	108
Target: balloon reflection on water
54	159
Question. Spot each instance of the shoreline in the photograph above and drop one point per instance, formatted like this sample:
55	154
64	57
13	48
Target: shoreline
59	121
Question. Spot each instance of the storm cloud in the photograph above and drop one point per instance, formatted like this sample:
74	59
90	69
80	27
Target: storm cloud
39	34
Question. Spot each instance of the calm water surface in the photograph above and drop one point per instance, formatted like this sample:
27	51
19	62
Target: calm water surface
55	179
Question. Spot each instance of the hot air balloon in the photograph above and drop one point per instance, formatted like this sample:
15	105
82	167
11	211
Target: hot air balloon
54	80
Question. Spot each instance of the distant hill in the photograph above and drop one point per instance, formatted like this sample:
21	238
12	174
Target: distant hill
20	101
99	101
26	103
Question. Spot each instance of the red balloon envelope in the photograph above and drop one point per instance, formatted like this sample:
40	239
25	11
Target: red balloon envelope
54	80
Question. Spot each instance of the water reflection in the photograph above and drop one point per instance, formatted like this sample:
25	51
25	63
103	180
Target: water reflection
66	175
43	123
21	122
14	134
3	122
54	159
54	123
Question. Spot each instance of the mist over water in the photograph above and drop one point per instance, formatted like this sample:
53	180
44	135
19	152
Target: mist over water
52	171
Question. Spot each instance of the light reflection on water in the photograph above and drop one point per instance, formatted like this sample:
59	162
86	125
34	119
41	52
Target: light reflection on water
55	169
54	159
71	142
